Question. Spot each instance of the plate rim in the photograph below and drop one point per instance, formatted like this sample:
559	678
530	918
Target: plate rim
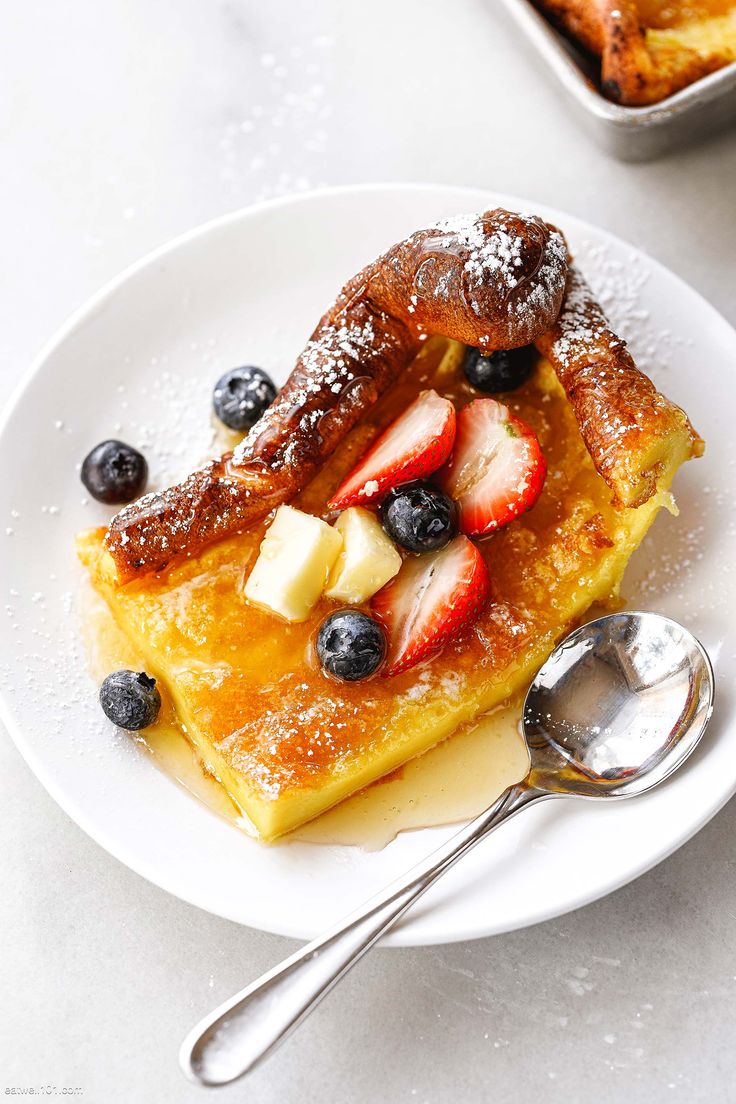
402	935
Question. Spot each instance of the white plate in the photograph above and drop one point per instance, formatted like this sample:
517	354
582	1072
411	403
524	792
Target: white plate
139	362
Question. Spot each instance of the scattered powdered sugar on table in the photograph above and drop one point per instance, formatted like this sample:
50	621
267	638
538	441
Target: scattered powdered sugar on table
289	125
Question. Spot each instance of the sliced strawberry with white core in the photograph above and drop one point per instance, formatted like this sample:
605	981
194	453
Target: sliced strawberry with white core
412	447
496	470
431	599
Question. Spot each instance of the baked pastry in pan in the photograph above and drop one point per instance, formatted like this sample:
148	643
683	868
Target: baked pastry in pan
649	49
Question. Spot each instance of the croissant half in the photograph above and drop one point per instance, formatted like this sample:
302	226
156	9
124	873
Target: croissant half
495	280
631	431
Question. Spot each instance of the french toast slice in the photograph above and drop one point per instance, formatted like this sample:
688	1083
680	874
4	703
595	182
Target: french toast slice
650	49
285	742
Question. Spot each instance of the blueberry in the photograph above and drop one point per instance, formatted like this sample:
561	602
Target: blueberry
350	645
130	700
419	517
242	395
504	370
114	473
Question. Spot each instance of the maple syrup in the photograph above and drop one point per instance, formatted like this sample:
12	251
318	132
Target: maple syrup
451	783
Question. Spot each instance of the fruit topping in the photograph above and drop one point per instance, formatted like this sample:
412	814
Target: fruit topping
431	599
415	445
350	645
419	517
130	700
367	560
296	557
242	395
496	470
504	370
114	473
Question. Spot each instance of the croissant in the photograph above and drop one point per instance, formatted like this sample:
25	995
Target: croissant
495	281
630	430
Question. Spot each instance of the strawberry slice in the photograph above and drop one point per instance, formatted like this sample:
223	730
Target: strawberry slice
412	447
496	470
430	600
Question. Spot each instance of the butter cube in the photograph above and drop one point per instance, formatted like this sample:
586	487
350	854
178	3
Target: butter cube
293	565
367	561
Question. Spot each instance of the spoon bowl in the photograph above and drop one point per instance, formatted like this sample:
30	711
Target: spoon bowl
617	707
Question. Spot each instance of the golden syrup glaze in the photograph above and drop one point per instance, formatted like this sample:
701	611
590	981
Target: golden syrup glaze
286	741
452	782
448	784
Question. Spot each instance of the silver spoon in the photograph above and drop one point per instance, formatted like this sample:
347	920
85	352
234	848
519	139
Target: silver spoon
617	707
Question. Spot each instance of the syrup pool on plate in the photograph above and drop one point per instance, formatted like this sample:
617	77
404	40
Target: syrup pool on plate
453	782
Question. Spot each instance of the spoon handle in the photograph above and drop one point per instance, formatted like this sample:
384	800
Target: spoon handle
239	1034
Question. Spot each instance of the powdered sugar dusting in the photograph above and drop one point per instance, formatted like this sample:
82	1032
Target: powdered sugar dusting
618	285
315	726
580	325
498	257
329	363
497	254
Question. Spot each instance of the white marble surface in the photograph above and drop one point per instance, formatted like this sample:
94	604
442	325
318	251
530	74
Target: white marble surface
123	124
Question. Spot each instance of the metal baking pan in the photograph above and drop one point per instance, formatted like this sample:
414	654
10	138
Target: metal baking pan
630	133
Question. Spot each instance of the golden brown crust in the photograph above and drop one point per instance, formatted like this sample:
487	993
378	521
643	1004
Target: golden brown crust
629	428
580	19
494	281
637	68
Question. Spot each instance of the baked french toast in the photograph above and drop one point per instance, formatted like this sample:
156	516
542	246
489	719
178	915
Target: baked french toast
436	544
650	49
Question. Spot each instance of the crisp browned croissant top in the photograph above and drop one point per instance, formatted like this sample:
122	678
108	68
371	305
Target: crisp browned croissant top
494	280
630	430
